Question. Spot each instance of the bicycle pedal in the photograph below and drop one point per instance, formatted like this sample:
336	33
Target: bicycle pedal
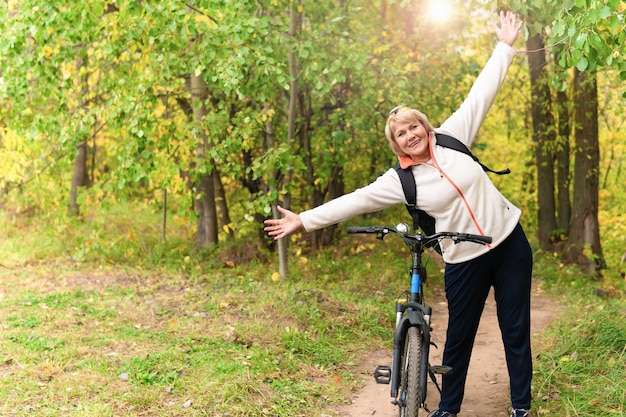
441	369
382	374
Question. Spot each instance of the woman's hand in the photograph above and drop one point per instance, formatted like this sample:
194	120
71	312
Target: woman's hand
509	28
279	228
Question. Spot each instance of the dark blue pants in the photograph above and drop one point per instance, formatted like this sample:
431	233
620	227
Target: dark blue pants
508	268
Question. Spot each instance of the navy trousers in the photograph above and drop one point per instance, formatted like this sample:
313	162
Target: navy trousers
508	268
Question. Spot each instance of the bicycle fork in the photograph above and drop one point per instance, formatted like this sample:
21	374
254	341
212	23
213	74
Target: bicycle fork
418	316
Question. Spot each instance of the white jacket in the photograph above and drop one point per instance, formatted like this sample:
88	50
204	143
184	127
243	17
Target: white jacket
451	187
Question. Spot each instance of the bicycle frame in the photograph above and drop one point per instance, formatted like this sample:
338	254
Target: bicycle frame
418	315
409	314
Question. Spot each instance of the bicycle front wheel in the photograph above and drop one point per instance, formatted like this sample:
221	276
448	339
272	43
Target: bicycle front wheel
410	378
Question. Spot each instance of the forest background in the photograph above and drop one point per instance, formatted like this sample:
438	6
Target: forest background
162	134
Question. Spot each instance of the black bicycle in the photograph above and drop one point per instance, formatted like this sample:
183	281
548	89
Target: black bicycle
410	367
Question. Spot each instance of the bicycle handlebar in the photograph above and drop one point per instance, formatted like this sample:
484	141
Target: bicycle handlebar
423	240
360	229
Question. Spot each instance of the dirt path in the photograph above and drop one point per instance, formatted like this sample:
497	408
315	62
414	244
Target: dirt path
486	393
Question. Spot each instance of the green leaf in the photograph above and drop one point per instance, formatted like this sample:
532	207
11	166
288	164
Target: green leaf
605	12
568	4
595	40
582	64
559	28
592	56
98	9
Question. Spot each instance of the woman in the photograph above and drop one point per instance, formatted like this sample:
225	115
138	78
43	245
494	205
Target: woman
454	189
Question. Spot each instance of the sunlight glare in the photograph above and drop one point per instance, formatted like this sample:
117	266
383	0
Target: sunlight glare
439	11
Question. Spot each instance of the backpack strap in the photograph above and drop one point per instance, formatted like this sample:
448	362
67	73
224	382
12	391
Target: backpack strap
410	192
453	143
421	219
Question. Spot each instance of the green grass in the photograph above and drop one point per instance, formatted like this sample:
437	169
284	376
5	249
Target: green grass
191	335
113	322
201	347
580	366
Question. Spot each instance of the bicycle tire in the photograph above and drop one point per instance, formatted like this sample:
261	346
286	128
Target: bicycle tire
410	378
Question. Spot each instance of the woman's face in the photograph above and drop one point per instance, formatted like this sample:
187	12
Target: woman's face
412	138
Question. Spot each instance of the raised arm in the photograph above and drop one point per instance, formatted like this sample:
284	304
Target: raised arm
465	122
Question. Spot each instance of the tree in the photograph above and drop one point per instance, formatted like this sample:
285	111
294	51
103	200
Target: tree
224	109
595	39
544	139
562	155
203	185
589	35
80	176
583	243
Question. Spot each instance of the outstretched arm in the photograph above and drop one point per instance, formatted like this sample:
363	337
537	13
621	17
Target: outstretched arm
280	228
464	123
509	28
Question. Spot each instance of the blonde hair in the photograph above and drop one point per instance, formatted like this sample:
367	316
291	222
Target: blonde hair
404	114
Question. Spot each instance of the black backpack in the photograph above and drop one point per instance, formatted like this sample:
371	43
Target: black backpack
421	219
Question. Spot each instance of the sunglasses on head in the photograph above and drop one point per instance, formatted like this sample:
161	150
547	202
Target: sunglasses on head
396	109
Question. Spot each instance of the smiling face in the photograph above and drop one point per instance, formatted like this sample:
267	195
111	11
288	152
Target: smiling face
407	132
412	139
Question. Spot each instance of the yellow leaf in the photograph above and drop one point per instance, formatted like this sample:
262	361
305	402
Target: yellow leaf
13	5
67	70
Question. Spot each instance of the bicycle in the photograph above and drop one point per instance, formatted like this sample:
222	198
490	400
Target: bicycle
410	369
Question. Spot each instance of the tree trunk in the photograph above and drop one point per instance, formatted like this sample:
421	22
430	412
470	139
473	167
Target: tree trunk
544	137
283	244
563	152
204	189
564	205
583	243
336	188
80	176
222	204
316	196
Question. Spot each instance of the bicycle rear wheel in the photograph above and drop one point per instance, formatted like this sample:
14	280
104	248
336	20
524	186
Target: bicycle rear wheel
410	378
